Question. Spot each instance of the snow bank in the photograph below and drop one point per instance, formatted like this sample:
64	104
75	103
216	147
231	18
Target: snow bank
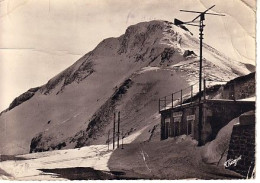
248	99
215	152
173	158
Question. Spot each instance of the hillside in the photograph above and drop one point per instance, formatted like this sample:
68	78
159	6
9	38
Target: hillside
126	74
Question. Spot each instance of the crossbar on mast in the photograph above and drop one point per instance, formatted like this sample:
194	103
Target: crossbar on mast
188	11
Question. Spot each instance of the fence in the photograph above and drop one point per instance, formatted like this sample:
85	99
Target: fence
177	98
187	94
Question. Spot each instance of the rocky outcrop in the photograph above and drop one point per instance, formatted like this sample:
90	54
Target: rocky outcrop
84	137
22	98
140	36
100	119
188	53
38	145
77	72
167	54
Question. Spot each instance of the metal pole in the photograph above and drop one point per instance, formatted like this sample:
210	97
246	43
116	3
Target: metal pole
108	139
204	85
191	93
181	97
201	26
159	105
114	130
165	101
201	38
172	100
118	133
122	135
200	77
234	88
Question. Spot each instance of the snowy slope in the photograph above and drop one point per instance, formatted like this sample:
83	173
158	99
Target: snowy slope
128	73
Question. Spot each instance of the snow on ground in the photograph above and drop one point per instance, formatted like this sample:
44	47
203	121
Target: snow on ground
147	69
174	158
248	99
132	137
215	152
185	62
95	156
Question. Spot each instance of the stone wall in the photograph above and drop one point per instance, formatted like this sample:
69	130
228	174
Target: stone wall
242	146
239	88
217	114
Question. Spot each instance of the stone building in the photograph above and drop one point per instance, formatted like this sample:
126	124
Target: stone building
184	119
220	104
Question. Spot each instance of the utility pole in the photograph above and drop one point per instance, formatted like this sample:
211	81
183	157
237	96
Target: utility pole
118	132
202	18
201	26
122	135
114	130
108	140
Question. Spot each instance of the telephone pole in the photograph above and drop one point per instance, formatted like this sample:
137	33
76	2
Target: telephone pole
114	130
118	132
122	147
108	139
202	18
201	26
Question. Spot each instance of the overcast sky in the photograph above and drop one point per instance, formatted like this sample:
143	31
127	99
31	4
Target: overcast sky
40	38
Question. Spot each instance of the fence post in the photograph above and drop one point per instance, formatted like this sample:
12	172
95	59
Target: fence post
114	130
204	93
165	102
118	129
234	85
108	140
172	100
191	93
122	135
159	104
181	97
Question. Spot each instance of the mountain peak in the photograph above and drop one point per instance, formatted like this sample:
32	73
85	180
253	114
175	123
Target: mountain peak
142	42
145	34
128	73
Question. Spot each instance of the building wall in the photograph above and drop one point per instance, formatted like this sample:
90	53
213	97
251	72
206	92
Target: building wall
216	114
177	128
239	88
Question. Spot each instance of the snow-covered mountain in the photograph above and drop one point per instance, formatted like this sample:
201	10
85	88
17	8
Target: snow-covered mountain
126	74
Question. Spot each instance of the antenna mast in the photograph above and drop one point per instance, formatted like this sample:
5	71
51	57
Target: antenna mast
201	16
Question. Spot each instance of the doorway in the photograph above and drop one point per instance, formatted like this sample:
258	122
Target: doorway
176	126
190	127
167	127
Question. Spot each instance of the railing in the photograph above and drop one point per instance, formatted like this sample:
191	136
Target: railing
188	95
177	98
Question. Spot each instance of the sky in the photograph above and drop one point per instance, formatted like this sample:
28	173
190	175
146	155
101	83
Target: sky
40	38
